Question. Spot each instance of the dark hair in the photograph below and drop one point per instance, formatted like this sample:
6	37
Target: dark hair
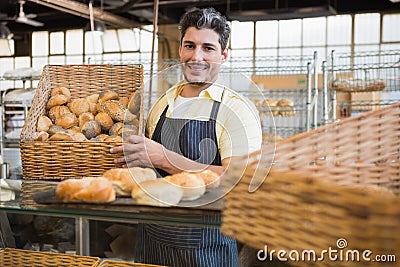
207	18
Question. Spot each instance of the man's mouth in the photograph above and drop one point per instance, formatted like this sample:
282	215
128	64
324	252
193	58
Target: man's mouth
198	66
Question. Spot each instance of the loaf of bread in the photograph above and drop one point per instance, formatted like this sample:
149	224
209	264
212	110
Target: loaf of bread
105	120
134	102
84	117
62	136
88	189
91	128
192	185
158	192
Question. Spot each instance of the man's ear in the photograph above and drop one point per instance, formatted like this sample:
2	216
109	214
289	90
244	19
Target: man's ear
224	55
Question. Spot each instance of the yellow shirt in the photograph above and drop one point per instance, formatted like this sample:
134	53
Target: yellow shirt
238	126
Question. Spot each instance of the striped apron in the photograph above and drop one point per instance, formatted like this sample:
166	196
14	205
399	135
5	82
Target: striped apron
180	246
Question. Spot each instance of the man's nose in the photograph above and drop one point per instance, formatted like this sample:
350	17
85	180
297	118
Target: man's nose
197	54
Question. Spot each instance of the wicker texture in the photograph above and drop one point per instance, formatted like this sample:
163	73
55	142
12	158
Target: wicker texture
60	160
116	263
340	181
31	187
24	258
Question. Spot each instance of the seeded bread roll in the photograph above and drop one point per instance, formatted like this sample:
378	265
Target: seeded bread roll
127	130
113	108
124	101
158	192
56	100
91	129
115	128
55	129
87	189
43	124
84	117
67	120
79	106
57	111
193	186
107	95
105	120
61	90
80	137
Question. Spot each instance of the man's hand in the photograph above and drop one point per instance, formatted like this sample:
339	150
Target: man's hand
139	151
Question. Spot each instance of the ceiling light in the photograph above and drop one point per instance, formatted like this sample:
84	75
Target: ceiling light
5	32
6	42
97	28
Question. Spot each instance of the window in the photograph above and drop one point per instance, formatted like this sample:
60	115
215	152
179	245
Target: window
56	43
366	28
390	28
266	34
74	42
242	35
314	31
40	44
339	30
290	33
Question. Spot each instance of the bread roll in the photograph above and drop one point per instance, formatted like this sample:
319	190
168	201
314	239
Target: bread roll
43	124
286	107
67	120
122	180
55	129
113	138
210	178
56	100
41	136
272	104
127	130
192	185
142	174
113	108
57	111
79	106
88	189
105	120
84	117
61	90
124	101
61	136
107	95
102	137
115	128
134	102
91	129
80	137
158	192
93	98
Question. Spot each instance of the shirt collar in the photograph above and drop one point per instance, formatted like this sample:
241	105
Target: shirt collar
214	92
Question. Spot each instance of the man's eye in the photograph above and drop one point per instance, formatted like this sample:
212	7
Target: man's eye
209	48
189	46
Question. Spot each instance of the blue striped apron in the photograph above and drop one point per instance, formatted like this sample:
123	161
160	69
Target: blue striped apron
180	246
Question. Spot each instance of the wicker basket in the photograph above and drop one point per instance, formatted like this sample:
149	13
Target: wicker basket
32	187
116	263
20	258
334	187
351	85
59	160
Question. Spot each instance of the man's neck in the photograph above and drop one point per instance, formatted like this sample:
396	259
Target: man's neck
193	90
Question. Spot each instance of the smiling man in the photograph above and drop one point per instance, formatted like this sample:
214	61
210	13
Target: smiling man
197	124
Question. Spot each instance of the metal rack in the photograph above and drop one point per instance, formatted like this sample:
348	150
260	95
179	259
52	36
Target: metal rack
360	71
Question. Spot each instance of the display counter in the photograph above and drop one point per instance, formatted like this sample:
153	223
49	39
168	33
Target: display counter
10	202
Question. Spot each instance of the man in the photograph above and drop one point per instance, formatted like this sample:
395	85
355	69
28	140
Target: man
198	124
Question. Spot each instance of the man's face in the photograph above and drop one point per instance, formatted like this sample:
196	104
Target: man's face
201	55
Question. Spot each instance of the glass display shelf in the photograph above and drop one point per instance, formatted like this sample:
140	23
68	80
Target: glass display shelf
10	201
